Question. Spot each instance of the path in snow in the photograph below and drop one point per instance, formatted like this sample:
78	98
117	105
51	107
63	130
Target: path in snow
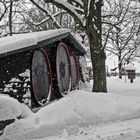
123	130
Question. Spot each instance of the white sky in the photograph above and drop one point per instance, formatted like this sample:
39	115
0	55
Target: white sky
111	62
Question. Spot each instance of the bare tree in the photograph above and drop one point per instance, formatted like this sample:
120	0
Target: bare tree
12	19
3	9
87	16
121	36
38	18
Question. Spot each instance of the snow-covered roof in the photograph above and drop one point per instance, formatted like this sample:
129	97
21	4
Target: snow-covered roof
22	42
130	67
19	41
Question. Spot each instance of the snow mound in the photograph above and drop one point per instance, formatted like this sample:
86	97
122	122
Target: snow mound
10	108
80	108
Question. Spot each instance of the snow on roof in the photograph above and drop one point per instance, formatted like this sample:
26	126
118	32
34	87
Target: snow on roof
130	67
19	41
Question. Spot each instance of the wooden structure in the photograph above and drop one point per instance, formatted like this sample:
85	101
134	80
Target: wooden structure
39	67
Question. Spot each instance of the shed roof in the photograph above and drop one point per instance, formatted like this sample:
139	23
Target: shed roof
21	42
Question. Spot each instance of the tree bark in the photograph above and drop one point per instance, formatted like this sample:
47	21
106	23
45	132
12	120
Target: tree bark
98	62
120	73
94	31
120	68
10	17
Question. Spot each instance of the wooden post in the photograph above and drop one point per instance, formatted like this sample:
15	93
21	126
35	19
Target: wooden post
131	80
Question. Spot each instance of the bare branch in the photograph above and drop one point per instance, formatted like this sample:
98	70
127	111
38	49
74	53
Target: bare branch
69	8
47	13
5	9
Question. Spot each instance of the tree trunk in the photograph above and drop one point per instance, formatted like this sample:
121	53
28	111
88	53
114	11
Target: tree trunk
10	18
99	73
120	72
98	60
120	68
94	31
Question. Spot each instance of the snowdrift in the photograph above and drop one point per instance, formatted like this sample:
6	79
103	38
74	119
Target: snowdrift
79	108
10	108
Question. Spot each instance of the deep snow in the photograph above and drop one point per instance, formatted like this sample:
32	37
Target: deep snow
83	115
10	108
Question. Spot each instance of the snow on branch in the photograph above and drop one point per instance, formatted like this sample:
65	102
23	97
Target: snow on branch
79	2
73	10
47	13
48	18
88	6
3	5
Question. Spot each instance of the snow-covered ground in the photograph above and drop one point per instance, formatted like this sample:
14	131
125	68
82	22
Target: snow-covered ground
83	115
10	108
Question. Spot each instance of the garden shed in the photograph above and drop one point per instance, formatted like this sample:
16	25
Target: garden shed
39	67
